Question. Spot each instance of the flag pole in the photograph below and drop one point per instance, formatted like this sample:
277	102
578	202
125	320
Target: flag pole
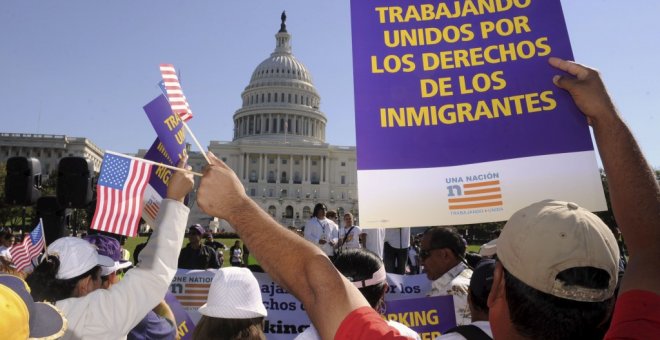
155	163
199	146
43	234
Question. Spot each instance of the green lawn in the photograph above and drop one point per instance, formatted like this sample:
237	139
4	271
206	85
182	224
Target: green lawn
131	242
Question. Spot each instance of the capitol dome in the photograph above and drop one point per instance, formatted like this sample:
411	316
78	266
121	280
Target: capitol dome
280	104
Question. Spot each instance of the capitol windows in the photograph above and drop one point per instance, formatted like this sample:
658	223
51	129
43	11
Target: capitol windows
272	210
343	179
307	213
253	177
271	178
288	212
253	192
343	163
289	98
269	97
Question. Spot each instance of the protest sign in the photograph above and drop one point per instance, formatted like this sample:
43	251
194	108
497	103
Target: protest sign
168	148
428	316
457	118
184	325
168	126
286	315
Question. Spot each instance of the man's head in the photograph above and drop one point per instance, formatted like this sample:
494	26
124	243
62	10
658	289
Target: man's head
480	285
195	233
348	220
331	214
442	248
556	274
319	210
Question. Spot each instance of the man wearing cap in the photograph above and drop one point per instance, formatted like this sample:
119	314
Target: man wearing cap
197	255
558	263
309	275
23	318
442	253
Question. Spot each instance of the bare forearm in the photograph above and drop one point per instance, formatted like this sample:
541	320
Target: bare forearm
281	253
633	189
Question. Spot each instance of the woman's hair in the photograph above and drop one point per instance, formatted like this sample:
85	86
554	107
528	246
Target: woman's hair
359	265
45	287
318	207
229	329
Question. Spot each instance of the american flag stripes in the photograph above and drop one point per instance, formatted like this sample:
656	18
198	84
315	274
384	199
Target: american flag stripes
477	195
151	208
194	294
31	246
174	92
119	191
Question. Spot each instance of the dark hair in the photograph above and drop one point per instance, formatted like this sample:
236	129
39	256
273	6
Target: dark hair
538	315
446	237
45	287
317	208
361	264
226	329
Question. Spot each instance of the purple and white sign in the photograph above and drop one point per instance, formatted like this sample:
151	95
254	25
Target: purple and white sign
457	118
428	316
168	149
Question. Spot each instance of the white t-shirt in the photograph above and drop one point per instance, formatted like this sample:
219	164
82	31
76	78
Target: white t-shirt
325	229
375	240
398	237
352	239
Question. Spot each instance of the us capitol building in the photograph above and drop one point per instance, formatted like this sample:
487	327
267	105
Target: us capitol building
279	150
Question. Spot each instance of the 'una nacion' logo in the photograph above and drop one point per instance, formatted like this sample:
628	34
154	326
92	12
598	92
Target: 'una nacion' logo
479	192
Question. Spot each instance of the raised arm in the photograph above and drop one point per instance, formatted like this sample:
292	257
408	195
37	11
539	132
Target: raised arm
305	272
633	189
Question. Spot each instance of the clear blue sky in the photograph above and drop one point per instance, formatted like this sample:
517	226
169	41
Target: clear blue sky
85	68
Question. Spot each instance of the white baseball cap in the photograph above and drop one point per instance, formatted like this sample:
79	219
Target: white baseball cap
76	256
542	240
234	294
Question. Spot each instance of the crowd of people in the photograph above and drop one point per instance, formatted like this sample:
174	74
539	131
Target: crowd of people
554	272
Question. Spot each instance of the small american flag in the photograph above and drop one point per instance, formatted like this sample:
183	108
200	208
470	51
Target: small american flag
476	195
119	194
174	92
31	246
151	208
